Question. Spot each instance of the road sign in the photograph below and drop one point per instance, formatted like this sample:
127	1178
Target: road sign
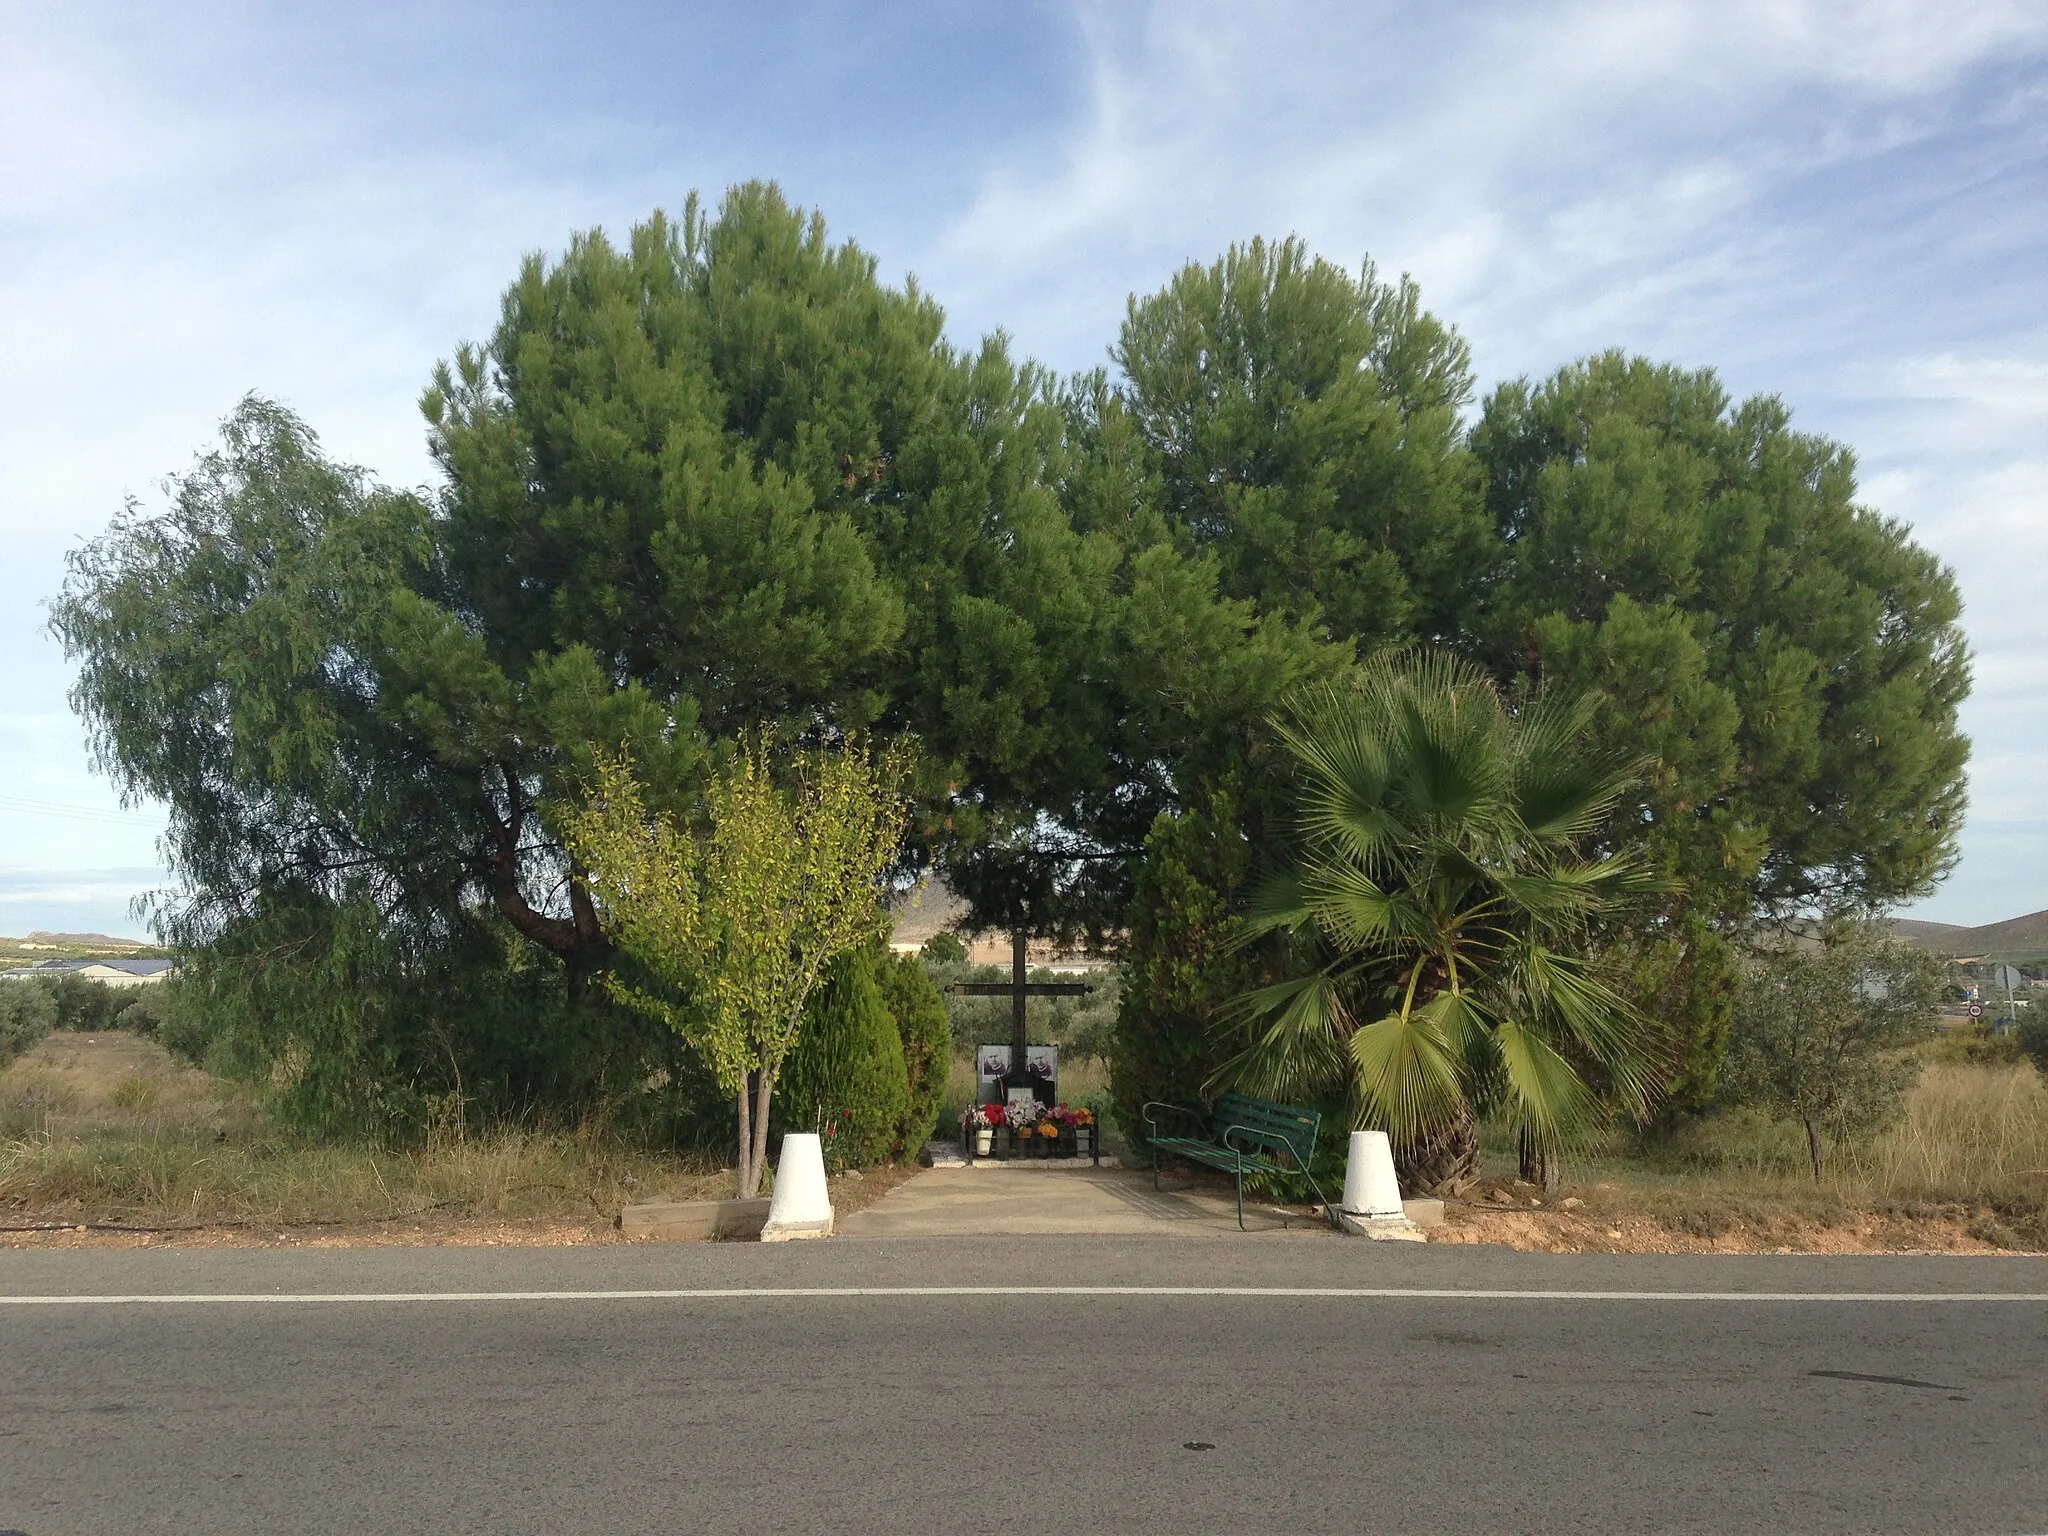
2009	978
1975	1010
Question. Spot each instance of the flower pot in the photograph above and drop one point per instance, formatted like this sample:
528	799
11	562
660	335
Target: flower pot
984	1140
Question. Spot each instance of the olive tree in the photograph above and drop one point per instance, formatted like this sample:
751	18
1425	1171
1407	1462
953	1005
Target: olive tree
1821	1030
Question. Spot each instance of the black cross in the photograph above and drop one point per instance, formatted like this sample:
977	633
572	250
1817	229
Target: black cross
1018	988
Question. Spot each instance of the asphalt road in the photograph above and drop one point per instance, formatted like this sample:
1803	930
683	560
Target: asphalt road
1670	1404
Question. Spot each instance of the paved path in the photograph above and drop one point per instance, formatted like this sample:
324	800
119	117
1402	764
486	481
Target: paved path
990	1199
1311	1384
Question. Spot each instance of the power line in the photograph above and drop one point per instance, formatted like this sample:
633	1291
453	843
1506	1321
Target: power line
75	812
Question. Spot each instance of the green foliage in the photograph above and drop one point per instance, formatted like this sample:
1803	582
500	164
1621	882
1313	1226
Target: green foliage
145	1009
27	1014
944	948
1181	963
1682	971
919	1010
350	1030
1446	901
1303	422
736	928
1789	662
719	475
2033	1039
187	1031
81	1002
846	1077
1821	1031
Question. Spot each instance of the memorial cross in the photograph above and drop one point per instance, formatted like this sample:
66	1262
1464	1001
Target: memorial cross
1017	989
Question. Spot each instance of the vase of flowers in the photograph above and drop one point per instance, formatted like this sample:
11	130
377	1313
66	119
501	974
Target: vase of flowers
985	1120
1021	1115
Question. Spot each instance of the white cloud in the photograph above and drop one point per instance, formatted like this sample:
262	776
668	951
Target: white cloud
195	206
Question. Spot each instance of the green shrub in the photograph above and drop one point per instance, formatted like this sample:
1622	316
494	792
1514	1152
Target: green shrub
914	1001
846	1077
1180	969
145	1015
351	1025
27	1013
82	1004
187	1031
1974	1045
2033	1039
1822	1035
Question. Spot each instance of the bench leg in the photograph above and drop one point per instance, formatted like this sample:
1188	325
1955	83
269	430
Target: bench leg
1240	1198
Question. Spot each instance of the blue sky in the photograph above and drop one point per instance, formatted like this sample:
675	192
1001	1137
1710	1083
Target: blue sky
1846	205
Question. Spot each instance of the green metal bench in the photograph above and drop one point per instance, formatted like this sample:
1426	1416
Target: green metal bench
1242	1135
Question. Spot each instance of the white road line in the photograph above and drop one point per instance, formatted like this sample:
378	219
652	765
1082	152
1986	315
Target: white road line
797	1293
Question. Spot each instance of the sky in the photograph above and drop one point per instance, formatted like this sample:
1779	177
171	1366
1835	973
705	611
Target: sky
1845	205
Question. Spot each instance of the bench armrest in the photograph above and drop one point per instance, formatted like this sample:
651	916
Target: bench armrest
1259	1138
1145	1111
1275	1139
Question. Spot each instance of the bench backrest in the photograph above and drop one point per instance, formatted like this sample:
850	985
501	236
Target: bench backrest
1296	1125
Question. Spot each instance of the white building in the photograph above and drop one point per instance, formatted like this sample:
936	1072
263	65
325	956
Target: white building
112	973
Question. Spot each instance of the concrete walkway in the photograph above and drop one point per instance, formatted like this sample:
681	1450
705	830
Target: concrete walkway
990	1199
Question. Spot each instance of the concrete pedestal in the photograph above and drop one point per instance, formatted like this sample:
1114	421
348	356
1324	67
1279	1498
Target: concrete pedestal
801	1206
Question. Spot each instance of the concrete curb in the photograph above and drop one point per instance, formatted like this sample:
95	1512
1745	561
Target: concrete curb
694	1221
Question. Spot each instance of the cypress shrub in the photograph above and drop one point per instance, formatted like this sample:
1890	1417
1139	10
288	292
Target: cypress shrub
1179	969
846	1078
913	1000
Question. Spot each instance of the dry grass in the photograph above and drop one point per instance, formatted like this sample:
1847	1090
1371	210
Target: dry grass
108	1129
1966	1167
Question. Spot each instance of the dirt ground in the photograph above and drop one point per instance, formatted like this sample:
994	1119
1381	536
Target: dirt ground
1570	1225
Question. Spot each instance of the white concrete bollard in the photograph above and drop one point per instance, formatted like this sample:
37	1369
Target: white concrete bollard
1372	1195
1370	1188
801	1205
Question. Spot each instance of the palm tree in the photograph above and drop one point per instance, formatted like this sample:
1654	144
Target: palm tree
1441	908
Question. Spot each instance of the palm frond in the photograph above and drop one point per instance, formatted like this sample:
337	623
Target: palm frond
1297	1030
1628	1046
1548	1093
1279	905
1351	907
1410	1076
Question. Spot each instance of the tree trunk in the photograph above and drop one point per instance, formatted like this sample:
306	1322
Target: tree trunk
764	1090
1540	1165
750	1178
1444	1161
1813	1146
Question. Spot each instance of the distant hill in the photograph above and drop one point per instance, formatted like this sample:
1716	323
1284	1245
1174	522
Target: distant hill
2014	936
925	909
70	946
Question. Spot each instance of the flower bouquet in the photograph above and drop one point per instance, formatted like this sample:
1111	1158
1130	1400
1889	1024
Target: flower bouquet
985	1120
